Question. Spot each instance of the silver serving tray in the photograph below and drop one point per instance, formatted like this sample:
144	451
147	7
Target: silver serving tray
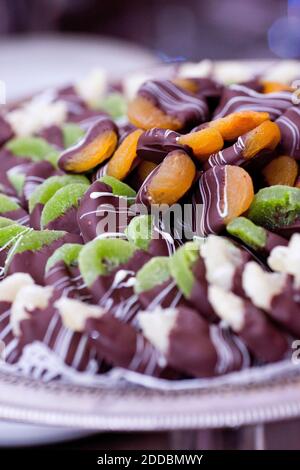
130	407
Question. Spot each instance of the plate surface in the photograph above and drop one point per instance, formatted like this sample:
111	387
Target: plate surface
131	407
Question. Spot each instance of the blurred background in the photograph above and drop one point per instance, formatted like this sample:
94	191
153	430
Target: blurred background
49	42
171	29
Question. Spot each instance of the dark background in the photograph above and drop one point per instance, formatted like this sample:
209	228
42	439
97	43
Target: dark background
172	29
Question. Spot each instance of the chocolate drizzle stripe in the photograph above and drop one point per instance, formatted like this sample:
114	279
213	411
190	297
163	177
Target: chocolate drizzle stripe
10	347
51	327
295	141
80	350
4	315
5	332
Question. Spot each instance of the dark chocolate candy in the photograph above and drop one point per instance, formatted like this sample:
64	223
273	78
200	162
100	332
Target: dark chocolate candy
289	124
154	144
54	135
6	131
101	211
175	102
239	97
285	307
122	346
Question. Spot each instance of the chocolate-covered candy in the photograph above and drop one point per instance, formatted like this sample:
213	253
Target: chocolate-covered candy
265	341
289	124
35	318
163	104
45	191
154	144
104	209
257	238
62	272
9	289
115	341
276	208
257	143
10	209
34	175
190	344
60	212
238	97
275	293
169	181
32	250
217	190
97	146
54	135
108	267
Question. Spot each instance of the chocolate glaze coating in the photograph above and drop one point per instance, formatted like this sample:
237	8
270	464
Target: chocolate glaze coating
153	145
72	347
35	216
165	295
289	124
238	98
20	216
8	161
285	308
11	353
264	339
211	189
197	348
67	222
67	281
94	212
175	102
114	291
122	346
199	294
34	262
101	126
287	231
35	174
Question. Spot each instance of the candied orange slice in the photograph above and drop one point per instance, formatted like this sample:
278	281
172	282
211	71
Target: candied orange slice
272	87
282	170
203	142
121	162
173	179
239	192
236	124
265	136
144	114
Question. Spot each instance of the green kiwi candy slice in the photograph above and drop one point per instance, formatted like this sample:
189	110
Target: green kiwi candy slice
68	253
181	263
251	234
155	272
100	257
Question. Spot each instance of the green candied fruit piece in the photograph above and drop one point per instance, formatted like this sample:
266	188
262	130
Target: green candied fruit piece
61	201
34	240
114	104
275	206
181	263
139	231
68	253
251	234
7	204
118	187
100	257
48	188
155	272
10	234
72	133
5	222
35	148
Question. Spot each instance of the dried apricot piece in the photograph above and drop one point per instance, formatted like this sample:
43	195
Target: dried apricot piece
143	113
170	180
97	146
122	160
160	103
203	142
282	170
264	136
226	192
272	87
235	124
